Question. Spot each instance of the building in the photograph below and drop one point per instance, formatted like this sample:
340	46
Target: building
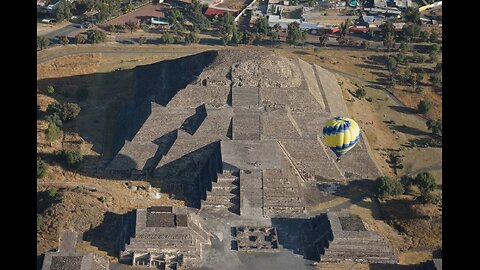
161	236
214	10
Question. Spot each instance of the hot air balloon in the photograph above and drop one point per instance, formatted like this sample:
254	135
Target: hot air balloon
341	134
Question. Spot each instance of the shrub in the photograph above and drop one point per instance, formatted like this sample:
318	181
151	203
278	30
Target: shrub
142	40
82	94
96	36
103	199
63	40
52	193
42	168
369	99
423	106
386	186
50	89
407	183
53	132
167	38
53	108
425	183
80	39
39	221
435	127
192	38
73	158
360	92
69	111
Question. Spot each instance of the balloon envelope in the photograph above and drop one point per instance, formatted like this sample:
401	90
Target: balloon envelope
341	134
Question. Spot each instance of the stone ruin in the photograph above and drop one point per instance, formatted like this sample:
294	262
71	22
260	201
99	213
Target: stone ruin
255	239
162	237
238	131
338	236
67	259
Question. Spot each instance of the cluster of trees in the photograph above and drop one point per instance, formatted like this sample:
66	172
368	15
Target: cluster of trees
130	26
72	158
96	36
65	111
63	11
387	187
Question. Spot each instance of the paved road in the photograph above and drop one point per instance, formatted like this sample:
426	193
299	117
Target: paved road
64	31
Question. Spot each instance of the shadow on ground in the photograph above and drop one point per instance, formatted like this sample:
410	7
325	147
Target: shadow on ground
106	236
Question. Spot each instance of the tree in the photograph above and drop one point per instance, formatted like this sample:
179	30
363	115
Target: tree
73	158
53	132
63	40
227	24
389	41
53	108
360	92
401	57
174	15
323	39
131	25
434	36
423	106
344	27
436	80
411	14
438	67
42	168
261	27
42	43
192	38
177	27
385	186
80	39
50	89
142	40
274	36
419	77
237	36
167	38
423	36
403	48
407	183
435	126
391	64
365	45
68	111
199	21
295	35
96	36
311	3
418	89
395	161
63	11
410	31
425	183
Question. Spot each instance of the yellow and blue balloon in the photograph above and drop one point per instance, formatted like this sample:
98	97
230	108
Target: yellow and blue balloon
341	134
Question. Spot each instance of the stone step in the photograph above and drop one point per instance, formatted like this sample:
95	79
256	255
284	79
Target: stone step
232	192
374	259
359	247
161	242
163	249
226	186
283	201
359	241
350	253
